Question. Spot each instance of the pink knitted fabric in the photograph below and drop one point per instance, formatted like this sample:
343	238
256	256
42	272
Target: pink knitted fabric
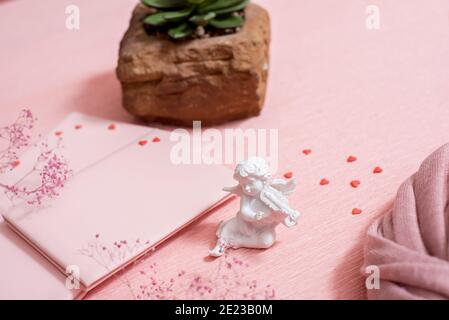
410	243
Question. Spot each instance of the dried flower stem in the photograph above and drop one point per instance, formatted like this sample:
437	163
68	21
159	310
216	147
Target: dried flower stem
51	168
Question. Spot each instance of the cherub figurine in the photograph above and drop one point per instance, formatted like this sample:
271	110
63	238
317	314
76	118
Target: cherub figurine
263	205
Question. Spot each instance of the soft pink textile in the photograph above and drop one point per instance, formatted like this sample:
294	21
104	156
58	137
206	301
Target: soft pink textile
410	243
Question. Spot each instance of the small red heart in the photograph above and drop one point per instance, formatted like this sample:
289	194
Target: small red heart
351	159
377	170
156	139
111	126
15	163
323	182
288	175
356	211
143	142
58	133
355	183
78	126
307	151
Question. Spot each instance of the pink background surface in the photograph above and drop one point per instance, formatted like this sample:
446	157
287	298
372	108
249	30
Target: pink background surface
335	87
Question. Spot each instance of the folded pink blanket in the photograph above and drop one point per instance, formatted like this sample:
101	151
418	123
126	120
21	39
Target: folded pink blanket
410	244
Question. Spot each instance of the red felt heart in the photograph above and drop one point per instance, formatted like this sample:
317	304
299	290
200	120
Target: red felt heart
356	211
355	183
111	126
377	170
307	151
156	139
323	182
15	163
143	142
78	126
288	175
351	159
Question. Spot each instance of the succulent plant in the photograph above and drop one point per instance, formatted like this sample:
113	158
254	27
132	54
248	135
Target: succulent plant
182	19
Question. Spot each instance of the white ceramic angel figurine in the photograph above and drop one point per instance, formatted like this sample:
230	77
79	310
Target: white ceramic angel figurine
263	205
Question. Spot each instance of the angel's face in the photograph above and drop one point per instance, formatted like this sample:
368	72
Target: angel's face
251	186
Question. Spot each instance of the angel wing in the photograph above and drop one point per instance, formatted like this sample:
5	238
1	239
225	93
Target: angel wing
284	186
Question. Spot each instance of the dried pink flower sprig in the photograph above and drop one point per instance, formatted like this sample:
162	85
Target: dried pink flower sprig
229	281
156	289
13	138
50	171
111	255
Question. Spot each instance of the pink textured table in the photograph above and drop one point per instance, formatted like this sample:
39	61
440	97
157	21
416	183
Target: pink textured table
335	87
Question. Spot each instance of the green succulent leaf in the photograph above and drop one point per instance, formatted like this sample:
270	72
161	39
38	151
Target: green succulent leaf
156	19
195	1
202	19
206	3
181	31
223	6
179	18
178	15
237	7
226	22
161	18
165	4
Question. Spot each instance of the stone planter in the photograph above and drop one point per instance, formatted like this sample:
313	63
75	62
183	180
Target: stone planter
215	80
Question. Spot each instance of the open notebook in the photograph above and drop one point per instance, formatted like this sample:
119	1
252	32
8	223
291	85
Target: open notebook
126	196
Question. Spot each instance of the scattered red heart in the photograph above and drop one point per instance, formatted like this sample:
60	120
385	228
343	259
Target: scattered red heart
15	163
143	142
323	182
377	170
355	183
288	175
351	159
356	211
156	139
307	151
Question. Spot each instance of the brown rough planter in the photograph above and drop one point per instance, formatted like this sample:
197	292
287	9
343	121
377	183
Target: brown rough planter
214	80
